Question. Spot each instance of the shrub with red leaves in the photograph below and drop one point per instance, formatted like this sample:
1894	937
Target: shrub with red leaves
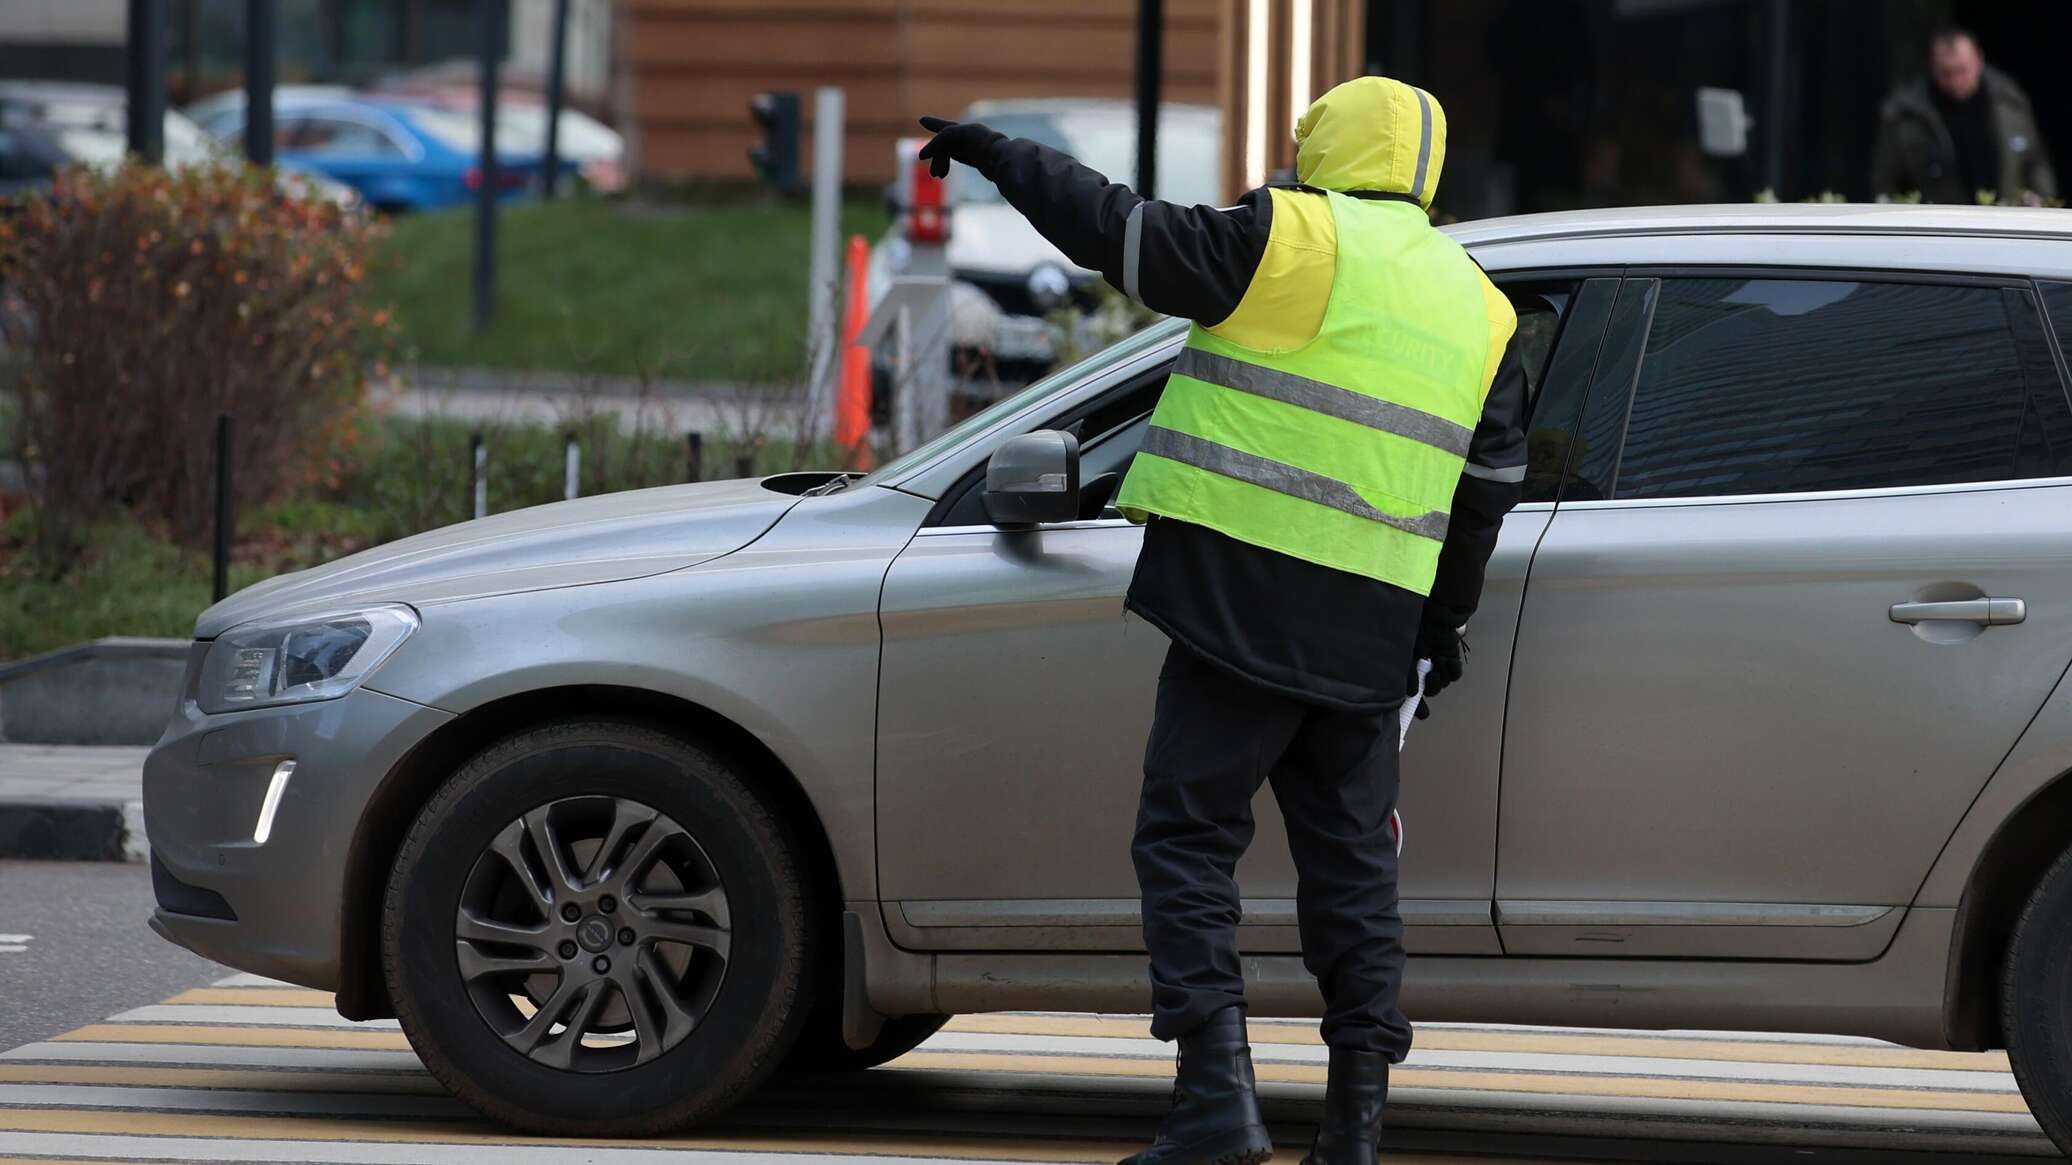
140	304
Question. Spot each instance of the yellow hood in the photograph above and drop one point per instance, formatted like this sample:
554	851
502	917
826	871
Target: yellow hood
1373	133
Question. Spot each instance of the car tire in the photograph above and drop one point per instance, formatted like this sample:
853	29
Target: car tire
704	1000
821	1047
2036	1002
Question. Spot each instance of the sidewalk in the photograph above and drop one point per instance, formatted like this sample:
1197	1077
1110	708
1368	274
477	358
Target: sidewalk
74	802
553	398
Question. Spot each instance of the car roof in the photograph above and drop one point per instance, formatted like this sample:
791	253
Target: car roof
1770	218
70	92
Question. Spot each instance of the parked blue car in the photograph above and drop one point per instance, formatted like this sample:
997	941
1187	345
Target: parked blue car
399	155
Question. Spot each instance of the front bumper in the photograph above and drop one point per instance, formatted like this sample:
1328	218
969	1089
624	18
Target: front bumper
204	786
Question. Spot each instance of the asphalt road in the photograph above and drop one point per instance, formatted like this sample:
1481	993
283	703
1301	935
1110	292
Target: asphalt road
88	952
117	1046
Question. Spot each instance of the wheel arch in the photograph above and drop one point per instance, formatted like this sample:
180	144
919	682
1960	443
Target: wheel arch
2002	877
388	814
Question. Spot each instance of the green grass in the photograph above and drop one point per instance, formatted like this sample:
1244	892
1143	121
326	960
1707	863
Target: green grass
691	293
129	583
405	475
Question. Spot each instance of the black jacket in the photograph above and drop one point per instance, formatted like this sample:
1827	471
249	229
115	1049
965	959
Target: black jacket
1338	639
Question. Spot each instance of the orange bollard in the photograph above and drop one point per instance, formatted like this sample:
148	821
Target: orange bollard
853	397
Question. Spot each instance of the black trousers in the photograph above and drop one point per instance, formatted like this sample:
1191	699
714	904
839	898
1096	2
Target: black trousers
1214	739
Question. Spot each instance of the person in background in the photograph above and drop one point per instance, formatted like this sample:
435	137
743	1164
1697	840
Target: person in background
1964	130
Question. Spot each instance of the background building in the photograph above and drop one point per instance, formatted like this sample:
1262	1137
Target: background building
1553	103
694	65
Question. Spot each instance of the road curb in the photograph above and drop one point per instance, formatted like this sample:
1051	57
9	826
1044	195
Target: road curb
112	691
72	831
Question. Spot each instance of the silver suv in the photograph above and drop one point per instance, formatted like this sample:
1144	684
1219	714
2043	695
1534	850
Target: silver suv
623	802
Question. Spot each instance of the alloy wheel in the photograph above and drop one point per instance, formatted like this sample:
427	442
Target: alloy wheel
592	934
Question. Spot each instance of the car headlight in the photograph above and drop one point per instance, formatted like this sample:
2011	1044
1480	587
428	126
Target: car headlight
1048	286
291	661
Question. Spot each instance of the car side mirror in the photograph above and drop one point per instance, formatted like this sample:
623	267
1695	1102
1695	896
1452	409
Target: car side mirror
1033	478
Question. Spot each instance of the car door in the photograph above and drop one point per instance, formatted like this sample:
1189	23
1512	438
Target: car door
1803	591
1016	696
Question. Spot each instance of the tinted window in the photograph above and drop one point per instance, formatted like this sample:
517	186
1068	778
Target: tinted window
22	158
337	137
1781	386
2058	298
1559	327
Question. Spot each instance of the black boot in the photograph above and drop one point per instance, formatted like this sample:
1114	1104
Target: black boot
1215	1117
1353	1100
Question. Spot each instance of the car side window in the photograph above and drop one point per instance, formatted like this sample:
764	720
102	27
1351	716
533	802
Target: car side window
20	158
1757	386
340	137
2057	299
1560	326
1110	430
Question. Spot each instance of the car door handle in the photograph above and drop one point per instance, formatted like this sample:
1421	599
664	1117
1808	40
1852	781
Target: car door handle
1986	612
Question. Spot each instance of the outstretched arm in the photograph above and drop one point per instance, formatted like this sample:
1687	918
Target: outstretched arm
1189	261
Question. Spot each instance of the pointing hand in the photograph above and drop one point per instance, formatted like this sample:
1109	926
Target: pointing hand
968	142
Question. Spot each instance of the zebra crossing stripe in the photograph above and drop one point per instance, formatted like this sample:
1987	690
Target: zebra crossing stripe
282	1037
259	1016
1511	1041
1644	1087
147	1135
419	1084
252	1069
267	996
282	1059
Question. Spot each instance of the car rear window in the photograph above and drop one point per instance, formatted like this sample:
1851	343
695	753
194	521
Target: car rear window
1755	386
459	132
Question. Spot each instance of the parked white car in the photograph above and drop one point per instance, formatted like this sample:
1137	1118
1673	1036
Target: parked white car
1009	278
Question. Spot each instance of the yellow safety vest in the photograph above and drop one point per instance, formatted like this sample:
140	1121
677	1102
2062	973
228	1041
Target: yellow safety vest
1342	449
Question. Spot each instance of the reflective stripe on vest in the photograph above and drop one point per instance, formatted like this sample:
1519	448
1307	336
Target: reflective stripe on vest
1267	473
1328	399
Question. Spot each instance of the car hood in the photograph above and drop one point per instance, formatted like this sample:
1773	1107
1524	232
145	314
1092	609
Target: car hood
589	540
994	238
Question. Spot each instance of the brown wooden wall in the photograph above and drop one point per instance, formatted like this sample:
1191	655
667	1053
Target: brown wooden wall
691	67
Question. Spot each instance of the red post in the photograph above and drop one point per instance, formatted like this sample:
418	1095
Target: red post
853	400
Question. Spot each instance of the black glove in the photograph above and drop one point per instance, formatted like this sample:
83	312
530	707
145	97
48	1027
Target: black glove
1447	648
969	142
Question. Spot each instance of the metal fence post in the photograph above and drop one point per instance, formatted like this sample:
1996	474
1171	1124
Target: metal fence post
488	15
1150	74
694	456
226	517
571	468
556	69
259	74
820	266
146	49
478	462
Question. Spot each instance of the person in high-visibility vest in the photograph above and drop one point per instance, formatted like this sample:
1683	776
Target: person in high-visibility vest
1324	477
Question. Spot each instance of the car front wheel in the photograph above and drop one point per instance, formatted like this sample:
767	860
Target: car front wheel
597	929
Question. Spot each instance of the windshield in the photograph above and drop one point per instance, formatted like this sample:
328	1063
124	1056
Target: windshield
986	418
1190	163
